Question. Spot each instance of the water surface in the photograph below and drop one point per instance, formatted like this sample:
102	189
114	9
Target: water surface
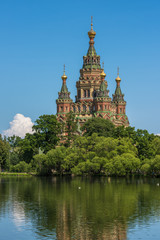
66	208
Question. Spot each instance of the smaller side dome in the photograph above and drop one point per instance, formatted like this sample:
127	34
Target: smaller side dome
103	75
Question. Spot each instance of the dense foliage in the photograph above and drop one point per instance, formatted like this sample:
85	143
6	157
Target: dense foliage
103	149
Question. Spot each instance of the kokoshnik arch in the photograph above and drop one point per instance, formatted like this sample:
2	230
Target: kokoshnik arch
92	99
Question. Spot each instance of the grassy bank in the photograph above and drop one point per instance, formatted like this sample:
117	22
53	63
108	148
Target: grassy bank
16	174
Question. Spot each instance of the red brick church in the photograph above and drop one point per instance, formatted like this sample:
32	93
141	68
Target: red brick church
92	98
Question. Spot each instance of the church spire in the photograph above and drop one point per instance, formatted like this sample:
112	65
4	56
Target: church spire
91	34
91	60
64	93
103	75
103	92
118	79
118	96
64	88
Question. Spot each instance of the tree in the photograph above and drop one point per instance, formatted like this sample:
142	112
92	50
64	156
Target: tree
21	167
4	152
28	147
14	141
144	144
156	145
71	127
46	130
122	165
103	127
50	162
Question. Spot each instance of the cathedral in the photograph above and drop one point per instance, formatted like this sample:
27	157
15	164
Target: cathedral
92	99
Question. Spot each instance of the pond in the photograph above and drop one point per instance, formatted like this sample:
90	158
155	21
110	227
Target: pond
79	208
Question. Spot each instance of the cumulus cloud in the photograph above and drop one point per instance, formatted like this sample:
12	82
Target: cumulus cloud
19	126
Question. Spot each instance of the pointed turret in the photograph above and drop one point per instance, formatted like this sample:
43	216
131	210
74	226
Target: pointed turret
118	96
64	100
102	100
91	51
118	100
64	93
91	60
103	92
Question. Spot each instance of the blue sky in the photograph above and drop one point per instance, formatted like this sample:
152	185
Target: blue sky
38	37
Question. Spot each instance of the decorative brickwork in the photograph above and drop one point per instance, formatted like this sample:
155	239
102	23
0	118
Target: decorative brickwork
92	99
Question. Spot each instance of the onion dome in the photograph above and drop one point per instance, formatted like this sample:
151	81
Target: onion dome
103	75
118	79
64	77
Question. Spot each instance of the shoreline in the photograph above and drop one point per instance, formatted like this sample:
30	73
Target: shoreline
17	174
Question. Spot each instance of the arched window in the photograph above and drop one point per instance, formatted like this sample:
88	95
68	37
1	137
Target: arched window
84	108
94	93
85	93
74	109
79	108
88	93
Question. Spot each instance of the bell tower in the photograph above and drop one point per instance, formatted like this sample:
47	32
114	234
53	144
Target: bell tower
89	80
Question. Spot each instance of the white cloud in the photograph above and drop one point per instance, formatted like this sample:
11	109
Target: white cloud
19	126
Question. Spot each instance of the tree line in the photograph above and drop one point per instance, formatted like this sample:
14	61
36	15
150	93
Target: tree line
96	148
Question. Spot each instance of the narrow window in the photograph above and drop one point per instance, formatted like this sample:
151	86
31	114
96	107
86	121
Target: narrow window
84	108
88	93
79	93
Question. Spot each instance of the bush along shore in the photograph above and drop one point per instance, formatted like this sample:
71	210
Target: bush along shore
19	174
97	148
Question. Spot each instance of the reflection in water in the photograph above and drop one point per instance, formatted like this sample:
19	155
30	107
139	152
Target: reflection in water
79	208
18	215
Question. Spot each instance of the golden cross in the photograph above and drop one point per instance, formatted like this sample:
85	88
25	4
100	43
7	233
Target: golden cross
118	71
91	22
64	68
103	65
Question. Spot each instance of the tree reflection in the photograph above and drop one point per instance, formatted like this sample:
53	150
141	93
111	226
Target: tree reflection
80	208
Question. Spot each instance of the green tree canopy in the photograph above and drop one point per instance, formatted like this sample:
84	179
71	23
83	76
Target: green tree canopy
103	127
4	152
70	128
46	130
